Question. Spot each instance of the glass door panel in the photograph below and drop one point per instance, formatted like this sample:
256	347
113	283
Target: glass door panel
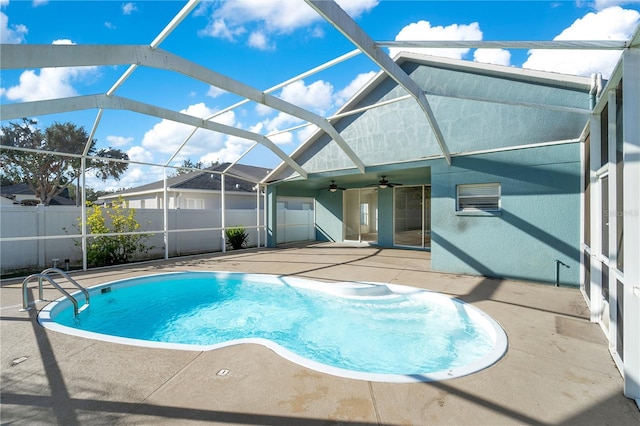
409	216
361	215
427	216
412	216
352	215
369	215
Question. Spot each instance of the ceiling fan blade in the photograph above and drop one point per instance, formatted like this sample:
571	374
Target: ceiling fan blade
333	187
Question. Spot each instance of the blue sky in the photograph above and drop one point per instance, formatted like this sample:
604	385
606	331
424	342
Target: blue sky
263	43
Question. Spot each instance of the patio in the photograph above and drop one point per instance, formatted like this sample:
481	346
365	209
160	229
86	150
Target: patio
557	370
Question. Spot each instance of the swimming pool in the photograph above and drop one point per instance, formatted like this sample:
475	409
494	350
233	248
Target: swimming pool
369	331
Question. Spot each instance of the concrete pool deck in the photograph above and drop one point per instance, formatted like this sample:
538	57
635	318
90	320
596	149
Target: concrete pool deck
557	370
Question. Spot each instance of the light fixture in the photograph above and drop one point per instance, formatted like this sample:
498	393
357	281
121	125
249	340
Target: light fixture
384	183
333	187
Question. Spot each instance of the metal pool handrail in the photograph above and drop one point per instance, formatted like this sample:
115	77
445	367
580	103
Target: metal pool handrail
45	275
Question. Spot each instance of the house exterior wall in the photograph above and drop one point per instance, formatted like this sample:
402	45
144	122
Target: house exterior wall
178	199
486	117
537	225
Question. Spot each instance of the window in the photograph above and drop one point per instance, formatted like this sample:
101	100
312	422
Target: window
478	197
193	204
364	214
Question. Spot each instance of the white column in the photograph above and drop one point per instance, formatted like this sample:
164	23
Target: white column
222	213
258	213
165	213
83	209
612	208
595	303
264	215
631	138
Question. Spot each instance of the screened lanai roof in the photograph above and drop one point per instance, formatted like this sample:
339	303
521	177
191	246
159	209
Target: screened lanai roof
144	84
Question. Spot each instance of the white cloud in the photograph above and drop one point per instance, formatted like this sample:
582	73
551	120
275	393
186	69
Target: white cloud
4	3
13	34
275	17
603	4
109	25
50	83
119	141
231	150
358	83
129	8
263	110
279	122
492	56
138	153
613	23
258	39
166	136
218	28
306	132
422	30
37	3
318	96
214	92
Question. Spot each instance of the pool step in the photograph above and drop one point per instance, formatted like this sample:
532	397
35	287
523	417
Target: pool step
360	289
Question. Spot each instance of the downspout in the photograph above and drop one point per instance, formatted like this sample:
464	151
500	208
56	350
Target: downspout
596	90
599	85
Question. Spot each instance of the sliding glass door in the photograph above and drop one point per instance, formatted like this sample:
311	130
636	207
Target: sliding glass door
361	215
412	216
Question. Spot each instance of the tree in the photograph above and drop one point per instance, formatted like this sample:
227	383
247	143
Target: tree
188	165
48	174
92	193
6	181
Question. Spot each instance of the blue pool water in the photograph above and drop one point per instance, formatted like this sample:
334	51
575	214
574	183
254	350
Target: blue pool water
355	327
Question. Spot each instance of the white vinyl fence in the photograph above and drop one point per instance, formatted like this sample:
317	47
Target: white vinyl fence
296	225
52	232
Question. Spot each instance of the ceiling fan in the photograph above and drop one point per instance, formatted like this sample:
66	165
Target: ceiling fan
384	183
333	187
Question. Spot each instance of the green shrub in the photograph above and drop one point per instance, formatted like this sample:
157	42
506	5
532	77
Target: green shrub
236	237
106	250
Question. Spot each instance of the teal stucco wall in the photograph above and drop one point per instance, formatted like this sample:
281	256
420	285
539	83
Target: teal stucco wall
539	222
328	216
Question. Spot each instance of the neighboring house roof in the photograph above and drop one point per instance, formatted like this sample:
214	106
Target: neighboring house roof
476	107
240	178
10	191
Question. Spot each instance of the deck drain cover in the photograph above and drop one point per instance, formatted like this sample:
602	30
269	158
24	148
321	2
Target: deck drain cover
222	372
19	360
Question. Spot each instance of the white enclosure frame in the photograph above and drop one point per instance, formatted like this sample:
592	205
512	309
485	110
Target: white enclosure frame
38	56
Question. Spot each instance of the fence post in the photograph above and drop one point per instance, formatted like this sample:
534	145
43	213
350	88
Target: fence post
41	233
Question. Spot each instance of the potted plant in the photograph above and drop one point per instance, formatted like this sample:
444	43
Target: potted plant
236	237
